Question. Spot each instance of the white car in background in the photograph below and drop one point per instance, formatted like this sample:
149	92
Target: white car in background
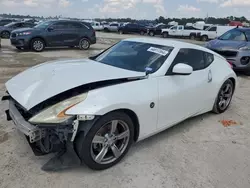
97	26
92	110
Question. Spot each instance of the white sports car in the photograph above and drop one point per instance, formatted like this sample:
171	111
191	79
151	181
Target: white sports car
92	110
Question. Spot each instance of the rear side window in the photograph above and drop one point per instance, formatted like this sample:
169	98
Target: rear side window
192	57
208	59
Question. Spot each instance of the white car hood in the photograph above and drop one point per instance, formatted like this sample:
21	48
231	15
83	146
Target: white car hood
44	81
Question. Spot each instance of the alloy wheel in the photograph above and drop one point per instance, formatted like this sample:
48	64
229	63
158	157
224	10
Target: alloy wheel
110	142
38	45
225	96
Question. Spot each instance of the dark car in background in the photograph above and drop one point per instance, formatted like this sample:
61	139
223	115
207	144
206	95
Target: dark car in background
7	29
54	34
5	21
132	28
234	45
156	30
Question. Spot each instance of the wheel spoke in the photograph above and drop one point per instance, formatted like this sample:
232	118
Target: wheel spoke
227	88
115	151
227	95
98	139
122	135
113	126
102	154
222	103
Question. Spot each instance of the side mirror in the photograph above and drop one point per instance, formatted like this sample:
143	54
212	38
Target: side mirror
50	29
182	69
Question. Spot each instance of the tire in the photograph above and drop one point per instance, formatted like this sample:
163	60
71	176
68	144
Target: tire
151	33
221	96
204	38
84	44
142	33
120	32
19	48
37	45
192	37
165	35
106	29
86	148
5	34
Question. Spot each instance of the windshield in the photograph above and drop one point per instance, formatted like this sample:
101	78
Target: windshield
135	56
43	25
233	35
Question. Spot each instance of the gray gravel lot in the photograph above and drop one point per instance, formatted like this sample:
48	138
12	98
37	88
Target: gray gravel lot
198	153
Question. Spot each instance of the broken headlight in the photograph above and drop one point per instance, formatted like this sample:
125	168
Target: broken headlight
56	113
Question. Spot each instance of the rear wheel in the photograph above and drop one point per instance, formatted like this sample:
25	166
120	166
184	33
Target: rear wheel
37	45
165	35
151	33
192	37
204	38
5	34
107	142
120	32
224	97
142	33
84	44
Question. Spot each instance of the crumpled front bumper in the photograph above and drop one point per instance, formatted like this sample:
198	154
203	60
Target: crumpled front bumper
34	133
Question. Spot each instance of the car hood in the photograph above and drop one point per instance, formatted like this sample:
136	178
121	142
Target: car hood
44	81
226	44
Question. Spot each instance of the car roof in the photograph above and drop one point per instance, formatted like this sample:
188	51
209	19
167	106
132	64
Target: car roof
242	29
169	42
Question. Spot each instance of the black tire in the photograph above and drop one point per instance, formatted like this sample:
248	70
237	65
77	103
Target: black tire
84	44
204	38
217	109
192	37
165	35
142	33
151	33
37	45
5	34
84	144
106	29
120	32
19	48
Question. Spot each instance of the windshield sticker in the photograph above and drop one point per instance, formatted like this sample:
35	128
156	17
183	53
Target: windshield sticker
158	51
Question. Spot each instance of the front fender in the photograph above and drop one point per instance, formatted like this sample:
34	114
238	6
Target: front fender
135	96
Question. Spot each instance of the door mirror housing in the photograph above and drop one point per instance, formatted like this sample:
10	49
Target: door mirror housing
182	69
50	29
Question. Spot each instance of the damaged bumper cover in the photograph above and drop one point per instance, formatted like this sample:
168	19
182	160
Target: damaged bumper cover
34	133
44	139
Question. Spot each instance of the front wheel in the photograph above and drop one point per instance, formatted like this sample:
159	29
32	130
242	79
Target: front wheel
224	97
37	45
204	38
151	33
165	35
107	142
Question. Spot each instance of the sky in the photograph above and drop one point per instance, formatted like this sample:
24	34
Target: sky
138	9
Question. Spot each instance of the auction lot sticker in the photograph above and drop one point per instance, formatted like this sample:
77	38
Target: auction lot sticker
158	51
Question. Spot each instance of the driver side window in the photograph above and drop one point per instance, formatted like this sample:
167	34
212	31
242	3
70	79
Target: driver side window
192	57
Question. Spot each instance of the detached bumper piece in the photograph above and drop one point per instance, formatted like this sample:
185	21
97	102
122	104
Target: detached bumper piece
46	139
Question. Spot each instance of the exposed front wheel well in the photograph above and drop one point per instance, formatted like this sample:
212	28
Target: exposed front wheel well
234	83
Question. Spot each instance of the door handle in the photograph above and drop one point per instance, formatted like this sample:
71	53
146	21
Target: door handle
210	76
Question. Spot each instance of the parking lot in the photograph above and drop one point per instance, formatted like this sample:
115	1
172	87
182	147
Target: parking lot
199	152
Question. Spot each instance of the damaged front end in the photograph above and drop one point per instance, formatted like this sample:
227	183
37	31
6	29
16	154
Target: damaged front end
47	138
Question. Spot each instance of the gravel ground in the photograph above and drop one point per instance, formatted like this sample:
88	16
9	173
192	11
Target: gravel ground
197	153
